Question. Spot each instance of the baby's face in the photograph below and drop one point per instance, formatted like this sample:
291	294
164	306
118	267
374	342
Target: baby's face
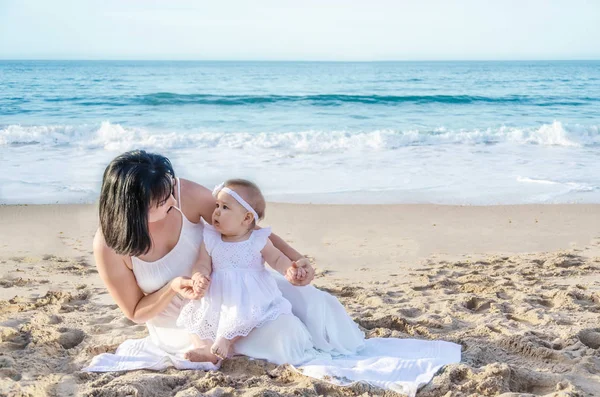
229	217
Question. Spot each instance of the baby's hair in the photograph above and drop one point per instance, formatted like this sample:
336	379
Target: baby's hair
251	193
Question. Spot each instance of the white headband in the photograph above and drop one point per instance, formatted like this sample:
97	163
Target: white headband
236	196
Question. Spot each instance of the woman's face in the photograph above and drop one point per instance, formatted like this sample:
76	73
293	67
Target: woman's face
159	211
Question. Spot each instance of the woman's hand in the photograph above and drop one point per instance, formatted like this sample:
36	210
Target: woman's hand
301	273
184	286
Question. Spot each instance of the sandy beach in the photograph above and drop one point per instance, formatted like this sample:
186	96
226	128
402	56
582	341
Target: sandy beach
517	286
436	165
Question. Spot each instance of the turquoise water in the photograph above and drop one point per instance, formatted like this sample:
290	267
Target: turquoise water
443	132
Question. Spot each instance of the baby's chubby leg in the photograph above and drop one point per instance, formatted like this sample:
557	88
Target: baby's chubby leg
222	347
202	352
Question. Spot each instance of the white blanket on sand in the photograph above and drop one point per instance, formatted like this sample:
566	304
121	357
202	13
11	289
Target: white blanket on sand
401	365
320	341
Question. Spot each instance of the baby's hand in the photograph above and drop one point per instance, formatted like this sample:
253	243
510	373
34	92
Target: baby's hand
296	275
301	273
291	274
201	283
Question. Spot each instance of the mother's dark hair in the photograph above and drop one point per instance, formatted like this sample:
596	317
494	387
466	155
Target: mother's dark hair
133	182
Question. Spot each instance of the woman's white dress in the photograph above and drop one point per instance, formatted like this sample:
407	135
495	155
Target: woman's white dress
318	337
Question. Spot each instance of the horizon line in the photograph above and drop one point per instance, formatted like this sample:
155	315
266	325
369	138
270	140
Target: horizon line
297	60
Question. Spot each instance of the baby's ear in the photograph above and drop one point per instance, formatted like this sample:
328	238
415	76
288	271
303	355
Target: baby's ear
248	218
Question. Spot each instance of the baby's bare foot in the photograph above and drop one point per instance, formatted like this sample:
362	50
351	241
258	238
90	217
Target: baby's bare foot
221	348
201	356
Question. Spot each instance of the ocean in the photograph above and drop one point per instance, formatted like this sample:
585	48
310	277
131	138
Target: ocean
468	133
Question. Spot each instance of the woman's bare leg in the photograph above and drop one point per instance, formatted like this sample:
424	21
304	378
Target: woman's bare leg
202	351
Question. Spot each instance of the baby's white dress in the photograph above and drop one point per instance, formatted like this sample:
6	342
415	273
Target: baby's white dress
242	295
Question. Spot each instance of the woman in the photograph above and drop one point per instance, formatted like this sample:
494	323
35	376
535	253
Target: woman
148	240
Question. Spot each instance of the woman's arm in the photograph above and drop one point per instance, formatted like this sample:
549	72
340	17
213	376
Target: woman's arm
197	201
123	287
285	248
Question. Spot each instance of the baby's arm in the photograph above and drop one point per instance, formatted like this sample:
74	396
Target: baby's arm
204	262
202	270
281	263
275	258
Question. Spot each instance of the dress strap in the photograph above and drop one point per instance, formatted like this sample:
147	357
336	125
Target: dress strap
179	195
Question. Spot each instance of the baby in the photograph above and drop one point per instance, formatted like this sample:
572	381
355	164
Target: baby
240	294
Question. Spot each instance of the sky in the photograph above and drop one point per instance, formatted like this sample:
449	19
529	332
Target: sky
325	30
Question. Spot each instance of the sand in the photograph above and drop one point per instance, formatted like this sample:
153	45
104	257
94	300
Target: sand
517	286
